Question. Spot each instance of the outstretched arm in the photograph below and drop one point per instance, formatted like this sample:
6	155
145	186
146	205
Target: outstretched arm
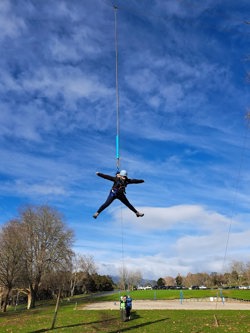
135	181
102	175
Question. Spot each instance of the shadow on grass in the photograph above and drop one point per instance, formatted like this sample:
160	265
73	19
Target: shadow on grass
125	329
74	325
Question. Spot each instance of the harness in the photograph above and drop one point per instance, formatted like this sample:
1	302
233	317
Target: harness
119	186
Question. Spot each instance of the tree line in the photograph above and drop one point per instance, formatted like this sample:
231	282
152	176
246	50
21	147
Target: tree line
36	259
237	276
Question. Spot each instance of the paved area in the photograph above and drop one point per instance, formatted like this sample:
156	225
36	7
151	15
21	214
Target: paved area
210	304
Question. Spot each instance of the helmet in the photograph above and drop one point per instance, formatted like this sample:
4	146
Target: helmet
123	173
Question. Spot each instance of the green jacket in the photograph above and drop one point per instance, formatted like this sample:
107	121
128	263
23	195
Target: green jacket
122	305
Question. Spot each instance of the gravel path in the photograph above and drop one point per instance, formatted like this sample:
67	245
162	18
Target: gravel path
173	305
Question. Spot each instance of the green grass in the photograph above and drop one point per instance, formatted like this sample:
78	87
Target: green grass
75	319
175	294
144	321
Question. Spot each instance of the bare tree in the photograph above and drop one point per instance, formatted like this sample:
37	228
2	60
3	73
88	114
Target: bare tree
123	275
190	280
75	276
134	278
86	264
83	267
55	280
47	246
238	269
87	269
128	279
247	273
10	259
169	281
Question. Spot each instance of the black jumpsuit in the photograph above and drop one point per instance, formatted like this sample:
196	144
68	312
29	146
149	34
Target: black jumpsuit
118	191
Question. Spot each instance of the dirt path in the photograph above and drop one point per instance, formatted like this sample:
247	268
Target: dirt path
172	305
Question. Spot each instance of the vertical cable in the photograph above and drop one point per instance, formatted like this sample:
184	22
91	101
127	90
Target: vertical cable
117	137
123	265
117	94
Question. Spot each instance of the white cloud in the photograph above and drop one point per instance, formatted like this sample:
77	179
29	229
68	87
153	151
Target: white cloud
180	216
11	25
187	246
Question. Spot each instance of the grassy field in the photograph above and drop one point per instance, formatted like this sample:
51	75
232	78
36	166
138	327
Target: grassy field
176	294
72	319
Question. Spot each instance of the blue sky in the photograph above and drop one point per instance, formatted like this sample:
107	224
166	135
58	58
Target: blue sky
183	99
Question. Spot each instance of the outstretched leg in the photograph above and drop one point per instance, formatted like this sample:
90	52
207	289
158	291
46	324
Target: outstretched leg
125	201
109	200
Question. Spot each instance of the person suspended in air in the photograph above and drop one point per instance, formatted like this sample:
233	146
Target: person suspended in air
118	191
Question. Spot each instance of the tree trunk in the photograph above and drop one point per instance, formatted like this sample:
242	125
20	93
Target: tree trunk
31	298
1	301
5	301
72	286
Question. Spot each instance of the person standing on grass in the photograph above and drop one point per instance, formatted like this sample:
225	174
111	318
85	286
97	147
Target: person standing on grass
123	301
128	307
